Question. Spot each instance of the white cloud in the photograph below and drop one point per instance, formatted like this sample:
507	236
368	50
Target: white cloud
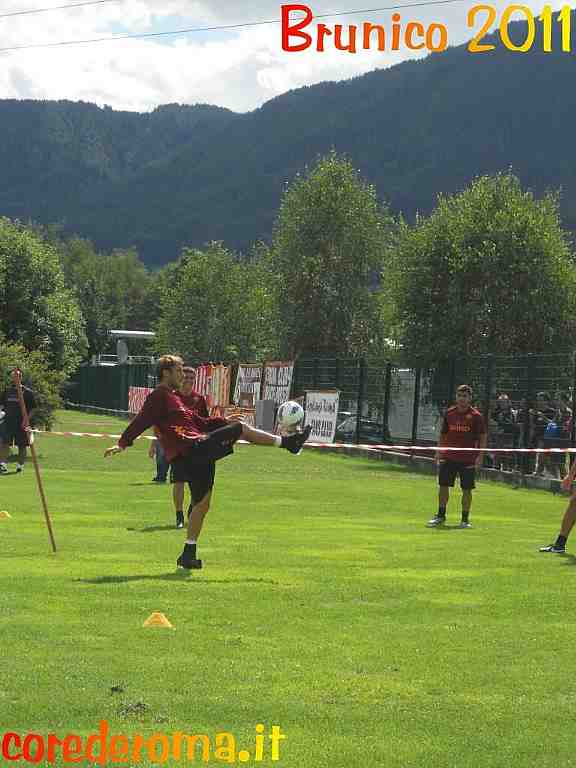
239	70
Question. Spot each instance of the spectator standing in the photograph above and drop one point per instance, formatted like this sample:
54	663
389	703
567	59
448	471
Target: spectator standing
13	431
506	432
542	415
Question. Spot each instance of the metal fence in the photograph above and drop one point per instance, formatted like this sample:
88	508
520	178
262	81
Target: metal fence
382	402
385	402
106	386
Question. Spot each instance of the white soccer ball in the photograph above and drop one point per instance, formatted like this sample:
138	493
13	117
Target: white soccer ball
290	414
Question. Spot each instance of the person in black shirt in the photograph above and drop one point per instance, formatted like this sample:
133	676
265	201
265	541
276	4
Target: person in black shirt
507	432
542	415
13	431
563	420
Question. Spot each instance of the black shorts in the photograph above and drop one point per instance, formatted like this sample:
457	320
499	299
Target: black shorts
216	446
197	466
449	470
200	477
13	435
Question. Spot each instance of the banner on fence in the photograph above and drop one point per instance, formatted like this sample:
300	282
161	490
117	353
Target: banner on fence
136	397
248	383
221	379
277	381
322	414
213	381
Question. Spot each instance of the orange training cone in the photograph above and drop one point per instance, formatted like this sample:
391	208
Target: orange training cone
157	620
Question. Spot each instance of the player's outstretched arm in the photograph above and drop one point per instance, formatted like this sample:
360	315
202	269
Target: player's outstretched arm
147	418
113	450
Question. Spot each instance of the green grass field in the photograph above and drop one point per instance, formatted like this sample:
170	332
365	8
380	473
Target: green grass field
325	607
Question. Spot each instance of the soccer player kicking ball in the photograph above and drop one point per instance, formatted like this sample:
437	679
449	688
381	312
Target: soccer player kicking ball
192	443
463	427
559	546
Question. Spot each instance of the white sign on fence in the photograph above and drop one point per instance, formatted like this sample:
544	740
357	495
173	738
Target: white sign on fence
277	382
248	381
322	414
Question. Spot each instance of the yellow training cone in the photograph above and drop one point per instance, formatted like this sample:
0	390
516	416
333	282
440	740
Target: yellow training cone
157	620
4	514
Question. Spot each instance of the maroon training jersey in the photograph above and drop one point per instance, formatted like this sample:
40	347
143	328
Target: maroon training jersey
462	430
195	402
177	425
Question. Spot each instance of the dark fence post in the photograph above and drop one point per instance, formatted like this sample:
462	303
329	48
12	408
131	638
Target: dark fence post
387	388
488	384
573	426
527	418
452	384
486	404
361	384
293	384
82	385
416	408
122	402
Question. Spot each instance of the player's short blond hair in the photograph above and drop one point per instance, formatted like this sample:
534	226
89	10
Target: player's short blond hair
166	363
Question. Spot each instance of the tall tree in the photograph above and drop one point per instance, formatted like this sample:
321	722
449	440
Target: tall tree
114	290
330	238
38	311
212	306
491	270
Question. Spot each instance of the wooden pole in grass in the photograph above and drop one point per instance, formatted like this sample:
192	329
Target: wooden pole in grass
17	379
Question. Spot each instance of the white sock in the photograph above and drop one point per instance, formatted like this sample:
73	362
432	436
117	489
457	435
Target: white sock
277	441
190	541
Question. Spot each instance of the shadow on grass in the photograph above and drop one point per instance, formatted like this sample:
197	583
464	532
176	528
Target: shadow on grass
173	576
568	559
13	459
447	528
149	484
376	465
153	528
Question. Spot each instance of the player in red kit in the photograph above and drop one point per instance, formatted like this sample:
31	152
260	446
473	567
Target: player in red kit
463	427
191	441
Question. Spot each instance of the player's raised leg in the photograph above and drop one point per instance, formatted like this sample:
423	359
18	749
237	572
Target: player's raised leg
292	443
